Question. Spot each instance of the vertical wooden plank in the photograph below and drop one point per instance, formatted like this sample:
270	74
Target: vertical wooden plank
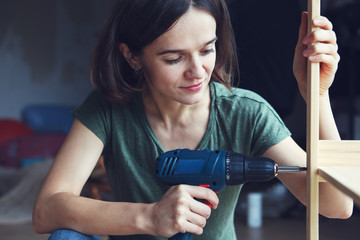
312	141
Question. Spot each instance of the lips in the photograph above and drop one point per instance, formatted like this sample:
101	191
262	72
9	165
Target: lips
194	88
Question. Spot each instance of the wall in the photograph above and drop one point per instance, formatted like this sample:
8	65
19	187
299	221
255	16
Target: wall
45	51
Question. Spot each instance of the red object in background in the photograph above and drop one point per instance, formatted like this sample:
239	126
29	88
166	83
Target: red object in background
13	152
12	129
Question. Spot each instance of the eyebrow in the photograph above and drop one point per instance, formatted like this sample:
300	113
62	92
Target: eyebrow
180	50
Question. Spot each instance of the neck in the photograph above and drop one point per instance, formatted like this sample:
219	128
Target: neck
172	113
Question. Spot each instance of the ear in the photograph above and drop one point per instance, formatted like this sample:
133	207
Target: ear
129	56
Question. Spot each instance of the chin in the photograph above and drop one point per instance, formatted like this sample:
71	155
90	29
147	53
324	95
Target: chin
192	100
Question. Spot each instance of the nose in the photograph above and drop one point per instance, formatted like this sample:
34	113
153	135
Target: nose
195	69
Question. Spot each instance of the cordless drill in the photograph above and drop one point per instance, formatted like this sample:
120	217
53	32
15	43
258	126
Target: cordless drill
215	170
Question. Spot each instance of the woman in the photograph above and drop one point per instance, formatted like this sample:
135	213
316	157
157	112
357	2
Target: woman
162	72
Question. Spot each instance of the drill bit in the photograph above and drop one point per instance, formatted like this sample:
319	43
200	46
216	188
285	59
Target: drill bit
291	169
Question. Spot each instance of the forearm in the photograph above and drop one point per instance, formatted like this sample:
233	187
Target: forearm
333	203
327	126
89	216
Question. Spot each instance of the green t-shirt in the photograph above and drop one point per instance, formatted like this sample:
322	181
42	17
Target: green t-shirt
240	121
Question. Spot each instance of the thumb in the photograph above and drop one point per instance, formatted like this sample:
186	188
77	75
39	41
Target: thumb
299	63
303	28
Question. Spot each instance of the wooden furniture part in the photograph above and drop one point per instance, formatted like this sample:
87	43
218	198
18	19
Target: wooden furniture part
337	162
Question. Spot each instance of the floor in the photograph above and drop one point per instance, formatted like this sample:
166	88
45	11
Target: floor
272	229
295	229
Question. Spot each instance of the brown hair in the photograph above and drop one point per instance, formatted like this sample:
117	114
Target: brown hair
139	22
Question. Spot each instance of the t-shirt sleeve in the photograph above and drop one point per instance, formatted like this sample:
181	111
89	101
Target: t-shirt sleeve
94	114
269	129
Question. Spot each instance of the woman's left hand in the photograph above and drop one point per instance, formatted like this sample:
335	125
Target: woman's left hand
320	47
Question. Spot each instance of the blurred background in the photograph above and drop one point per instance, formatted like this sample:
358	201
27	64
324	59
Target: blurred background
45	52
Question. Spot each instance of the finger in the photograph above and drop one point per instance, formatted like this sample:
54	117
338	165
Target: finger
302	29
187	221
322	22
320	35
186	195
192	228
205	194
321	48
196	219
326	59
200	208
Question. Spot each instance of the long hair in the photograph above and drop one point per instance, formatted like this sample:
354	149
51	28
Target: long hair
138	23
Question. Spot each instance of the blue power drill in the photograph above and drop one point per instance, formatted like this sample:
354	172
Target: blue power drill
214	169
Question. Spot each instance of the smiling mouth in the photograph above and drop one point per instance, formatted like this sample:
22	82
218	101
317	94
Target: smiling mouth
194	88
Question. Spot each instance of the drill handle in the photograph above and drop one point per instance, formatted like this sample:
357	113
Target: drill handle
182	236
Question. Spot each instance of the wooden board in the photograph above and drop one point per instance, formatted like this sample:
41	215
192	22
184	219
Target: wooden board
334	153
312	136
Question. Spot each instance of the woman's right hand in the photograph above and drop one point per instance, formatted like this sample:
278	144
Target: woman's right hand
179	211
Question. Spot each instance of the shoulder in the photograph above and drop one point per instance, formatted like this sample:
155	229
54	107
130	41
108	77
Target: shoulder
97	96
102	116
96	101
239	103
237	97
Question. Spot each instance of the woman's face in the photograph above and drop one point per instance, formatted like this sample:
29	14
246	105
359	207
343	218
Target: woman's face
178	64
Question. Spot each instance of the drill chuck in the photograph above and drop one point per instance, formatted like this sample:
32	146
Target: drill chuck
241	169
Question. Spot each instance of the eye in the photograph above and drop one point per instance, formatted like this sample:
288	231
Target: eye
174	61
207	51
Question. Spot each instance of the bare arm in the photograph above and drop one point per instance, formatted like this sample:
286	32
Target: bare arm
332	202
60	206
